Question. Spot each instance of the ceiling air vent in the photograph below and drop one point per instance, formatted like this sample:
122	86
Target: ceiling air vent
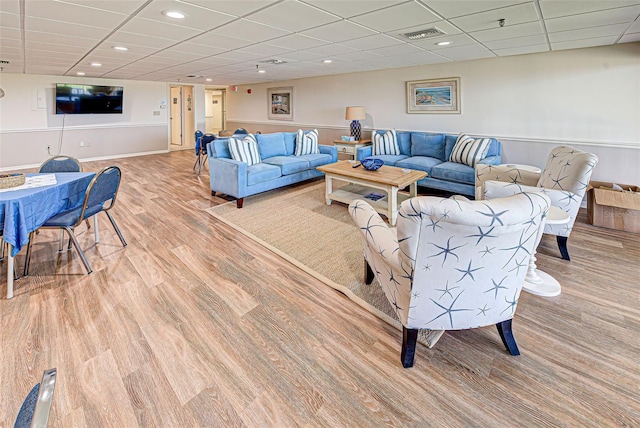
274	61
423	34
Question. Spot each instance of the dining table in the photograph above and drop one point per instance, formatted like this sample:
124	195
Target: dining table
23	209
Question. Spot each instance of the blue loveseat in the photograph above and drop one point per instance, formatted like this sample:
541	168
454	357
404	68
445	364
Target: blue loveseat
430	152
278	167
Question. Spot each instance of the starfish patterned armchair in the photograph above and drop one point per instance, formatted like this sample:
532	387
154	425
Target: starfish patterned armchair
454	264
564	179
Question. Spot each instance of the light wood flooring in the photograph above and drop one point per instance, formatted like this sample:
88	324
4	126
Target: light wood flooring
193	324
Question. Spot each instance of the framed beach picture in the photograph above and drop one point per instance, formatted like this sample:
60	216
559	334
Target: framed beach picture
434	96
280	103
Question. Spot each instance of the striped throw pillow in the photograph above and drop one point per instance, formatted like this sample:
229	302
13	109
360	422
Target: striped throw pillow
469	150
385	144
245	150
306	142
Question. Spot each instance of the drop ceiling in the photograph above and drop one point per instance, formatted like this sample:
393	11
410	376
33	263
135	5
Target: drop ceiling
226	42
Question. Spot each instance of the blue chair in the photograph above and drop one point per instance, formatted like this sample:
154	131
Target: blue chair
101	196
60	164
201	149
35	409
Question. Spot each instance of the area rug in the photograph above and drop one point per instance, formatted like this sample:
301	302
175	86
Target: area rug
297	224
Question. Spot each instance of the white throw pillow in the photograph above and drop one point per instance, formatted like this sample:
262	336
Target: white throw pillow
245	150
385	144
469	150
306	142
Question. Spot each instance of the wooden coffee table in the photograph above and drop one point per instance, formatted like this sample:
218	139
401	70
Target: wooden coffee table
363	185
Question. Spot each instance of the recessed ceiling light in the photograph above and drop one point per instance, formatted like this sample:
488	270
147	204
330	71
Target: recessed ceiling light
96	64
120	48
173	14
209	80
262	71
443	43
327	61
80	73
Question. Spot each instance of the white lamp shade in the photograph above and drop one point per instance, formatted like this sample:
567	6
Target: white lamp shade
355	113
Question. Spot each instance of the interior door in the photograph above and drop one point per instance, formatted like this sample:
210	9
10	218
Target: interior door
176	115
213	111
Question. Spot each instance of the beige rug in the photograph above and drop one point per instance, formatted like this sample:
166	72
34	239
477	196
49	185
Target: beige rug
297	224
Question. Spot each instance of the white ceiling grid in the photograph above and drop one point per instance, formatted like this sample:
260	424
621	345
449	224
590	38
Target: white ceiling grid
228	40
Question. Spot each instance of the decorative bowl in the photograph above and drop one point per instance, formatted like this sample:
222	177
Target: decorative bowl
372	164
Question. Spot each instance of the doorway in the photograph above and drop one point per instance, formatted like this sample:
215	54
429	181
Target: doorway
214	110
182	117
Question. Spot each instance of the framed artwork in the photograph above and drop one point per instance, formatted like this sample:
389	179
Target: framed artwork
280	103
434	96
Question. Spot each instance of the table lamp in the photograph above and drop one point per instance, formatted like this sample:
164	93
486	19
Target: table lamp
355	114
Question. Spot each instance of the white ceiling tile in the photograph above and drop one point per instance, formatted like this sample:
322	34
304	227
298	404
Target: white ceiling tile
296	42
339	31
360	56
10	33
176	55
420	58
60	39
192	48
584	43
402	49
349	8
557	8
635	27
332	50
538	39
152	28
507	32
588	33
512	15
233	7
372	42
263	50
293	16
463	53
239	56
593	19
45	69
396	17
9	20
10	7
250	30
64	28
220	41
55	47
452	9
73	13
13	51
132	39
120	6
9	43
300	56
521	50
631	37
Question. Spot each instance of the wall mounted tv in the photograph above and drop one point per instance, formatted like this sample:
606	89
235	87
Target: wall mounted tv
72	98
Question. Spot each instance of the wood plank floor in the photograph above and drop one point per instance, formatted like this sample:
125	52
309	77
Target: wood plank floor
193	324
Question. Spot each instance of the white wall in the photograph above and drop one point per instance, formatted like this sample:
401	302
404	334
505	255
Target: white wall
28	126
589	98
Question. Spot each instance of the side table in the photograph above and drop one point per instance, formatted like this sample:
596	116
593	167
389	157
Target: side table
350	147
538	282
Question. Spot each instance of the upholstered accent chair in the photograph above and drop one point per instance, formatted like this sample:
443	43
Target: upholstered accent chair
564	179
453	264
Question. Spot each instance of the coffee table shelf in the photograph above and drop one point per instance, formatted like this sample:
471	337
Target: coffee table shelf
388	179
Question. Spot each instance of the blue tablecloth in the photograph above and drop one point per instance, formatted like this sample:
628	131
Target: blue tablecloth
23	211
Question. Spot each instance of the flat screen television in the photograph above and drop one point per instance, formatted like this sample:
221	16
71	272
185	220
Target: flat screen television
73	98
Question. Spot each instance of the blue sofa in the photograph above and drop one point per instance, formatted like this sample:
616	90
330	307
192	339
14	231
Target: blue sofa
430	152
279	166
